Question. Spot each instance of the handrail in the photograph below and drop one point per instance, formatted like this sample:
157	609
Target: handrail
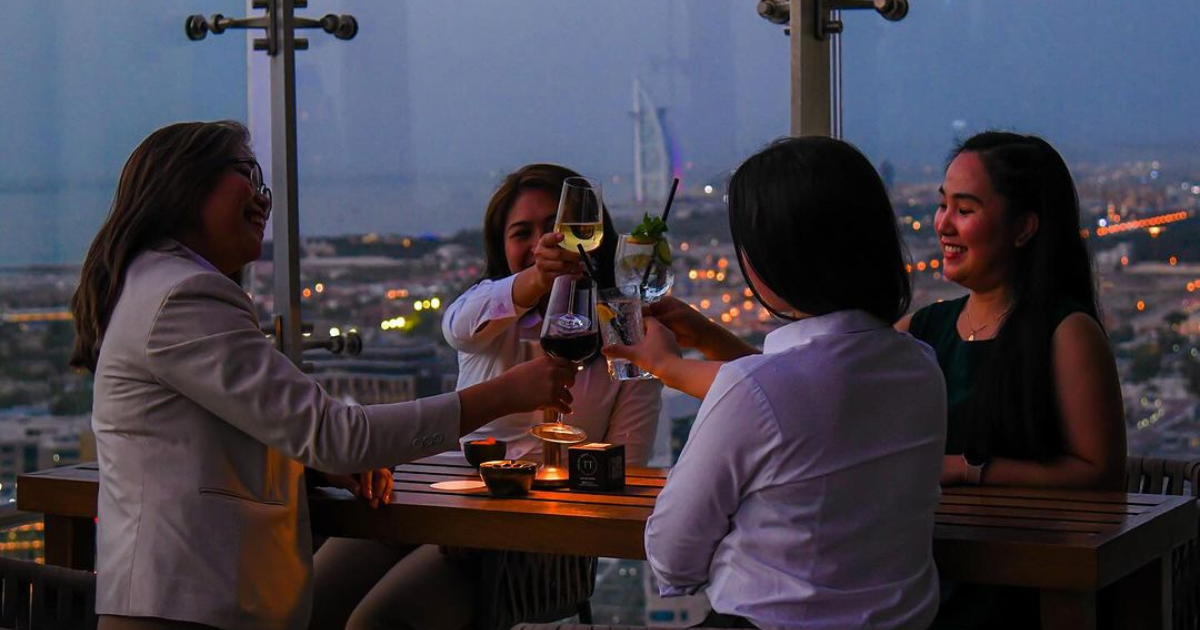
11	517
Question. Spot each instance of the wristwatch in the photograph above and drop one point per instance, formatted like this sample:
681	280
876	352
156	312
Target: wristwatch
975	465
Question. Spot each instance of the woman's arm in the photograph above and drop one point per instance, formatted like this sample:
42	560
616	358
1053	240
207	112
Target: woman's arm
693	330
480	315
487	309
728	450
205	345
541	383
633	420
1088	393
550	262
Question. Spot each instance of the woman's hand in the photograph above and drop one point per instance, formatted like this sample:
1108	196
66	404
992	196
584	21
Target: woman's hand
954	470
550	262
693	330
543	383
656	352
373	486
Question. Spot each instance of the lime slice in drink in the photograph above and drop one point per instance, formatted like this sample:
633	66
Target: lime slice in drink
637	239
634	263
662	251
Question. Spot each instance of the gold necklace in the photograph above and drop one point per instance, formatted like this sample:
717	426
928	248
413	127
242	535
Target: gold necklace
973	329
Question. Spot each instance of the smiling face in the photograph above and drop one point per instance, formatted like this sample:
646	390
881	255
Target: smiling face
532	216
232	220
978	238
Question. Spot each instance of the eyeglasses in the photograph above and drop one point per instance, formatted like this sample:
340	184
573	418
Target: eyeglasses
256	178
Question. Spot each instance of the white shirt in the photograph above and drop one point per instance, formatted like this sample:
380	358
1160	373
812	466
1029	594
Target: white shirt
805	495
492	334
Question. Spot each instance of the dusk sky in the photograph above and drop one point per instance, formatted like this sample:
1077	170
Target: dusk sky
408	127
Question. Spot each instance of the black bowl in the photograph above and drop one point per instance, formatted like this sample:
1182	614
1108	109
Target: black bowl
508	477
479	451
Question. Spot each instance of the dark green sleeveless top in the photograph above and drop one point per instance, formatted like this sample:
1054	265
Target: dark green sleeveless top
961	361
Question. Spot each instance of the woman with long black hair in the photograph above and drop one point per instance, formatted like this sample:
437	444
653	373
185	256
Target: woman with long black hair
1034	398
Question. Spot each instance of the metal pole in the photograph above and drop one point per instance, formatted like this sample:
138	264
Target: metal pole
286	230
810	63
835	75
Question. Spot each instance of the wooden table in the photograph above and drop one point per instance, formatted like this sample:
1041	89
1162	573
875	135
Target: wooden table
1068	544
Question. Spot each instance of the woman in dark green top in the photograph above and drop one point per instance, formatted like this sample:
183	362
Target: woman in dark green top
1033	393
962	361
1034	398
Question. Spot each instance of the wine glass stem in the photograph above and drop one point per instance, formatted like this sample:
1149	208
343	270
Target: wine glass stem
552	455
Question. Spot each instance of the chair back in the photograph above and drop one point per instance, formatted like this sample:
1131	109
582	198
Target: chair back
1172	476
40	597
1150	475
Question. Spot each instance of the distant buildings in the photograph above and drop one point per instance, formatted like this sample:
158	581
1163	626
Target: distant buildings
384	374
29	443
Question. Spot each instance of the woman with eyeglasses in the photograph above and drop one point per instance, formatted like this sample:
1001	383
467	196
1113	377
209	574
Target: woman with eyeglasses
202	428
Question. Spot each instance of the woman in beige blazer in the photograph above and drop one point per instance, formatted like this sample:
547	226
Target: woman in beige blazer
202	428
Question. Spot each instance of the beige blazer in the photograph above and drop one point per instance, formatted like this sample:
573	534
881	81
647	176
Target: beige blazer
202	432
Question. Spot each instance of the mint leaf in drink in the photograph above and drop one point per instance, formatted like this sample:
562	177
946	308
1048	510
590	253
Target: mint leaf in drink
650	229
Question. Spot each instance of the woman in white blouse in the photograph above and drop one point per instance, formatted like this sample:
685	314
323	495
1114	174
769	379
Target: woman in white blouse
494	326
805	495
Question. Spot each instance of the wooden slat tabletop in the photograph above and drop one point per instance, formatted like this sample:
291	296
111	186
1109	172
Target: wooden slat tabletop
553	521
1069	544
1043	538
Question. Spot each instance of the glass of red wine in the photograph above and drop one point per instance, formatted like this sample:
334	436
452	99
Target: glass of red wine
569	331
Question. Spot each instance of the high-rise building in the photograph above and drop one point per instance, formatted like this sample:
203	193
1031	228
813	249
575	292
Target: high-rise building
653	164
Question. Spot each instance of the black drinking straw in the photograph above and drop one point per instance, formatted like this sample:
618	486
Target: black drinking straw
591	269
591	272
666	211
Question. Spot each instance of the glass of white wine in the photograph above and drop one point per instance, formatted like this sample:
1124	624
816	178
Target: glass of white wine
580	216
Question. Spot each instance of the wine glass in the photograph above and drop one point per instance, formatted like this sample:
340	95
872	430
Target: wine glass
569	331
580	216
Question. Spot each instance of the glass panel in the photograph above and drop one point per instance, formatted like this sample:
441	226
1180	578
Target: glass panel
84	84
1096	81
407	130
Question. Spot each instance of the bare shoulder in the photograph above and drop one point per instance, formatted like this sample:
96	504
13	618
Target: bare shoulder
1079	327
1079	340
904	323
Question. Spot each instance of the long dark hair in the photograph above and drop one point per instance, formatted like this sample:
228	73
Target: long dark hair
548	178
1014	406
797	207
162	189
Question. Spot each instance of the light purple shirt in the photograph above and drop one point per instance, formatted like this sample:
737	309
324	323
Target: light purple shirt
805	495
